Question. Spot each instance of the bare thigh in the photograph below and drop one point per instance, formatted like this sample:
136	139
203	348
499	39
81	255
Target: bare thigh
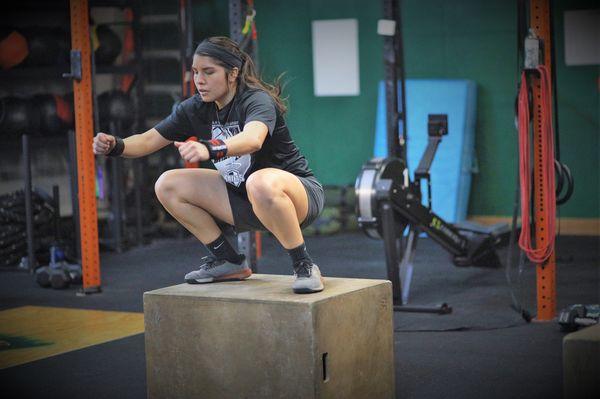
204	188
268	181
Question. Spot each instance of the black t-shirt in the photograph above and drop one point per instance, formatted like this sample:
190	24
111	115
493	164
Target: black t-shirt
193	117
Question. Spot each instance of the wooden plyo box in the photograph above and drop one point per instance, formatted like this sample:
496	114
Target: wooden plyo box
257	339
581	363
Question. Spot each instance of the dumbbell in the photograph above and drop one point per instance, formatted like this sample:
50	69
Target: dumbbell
569	318
575	316
42	276
74	273
59	278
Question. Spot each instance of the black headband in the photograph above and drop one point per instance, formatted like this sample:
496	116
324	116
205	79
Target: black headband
220	53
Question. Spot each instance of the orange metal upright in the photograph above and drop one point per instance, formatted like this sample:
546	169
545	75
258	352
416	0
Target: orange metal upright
546	271
84	128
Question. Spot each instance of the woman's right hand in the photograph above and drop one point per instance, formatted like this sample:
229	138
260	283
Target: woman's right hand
103	143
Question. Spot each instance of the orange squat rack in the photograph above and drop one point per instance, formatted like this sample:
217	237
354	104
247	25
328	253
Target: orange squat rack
84	133
545	271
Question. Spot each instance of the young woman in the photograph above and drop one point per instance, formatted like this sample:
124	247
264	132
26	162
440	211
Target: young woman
262	181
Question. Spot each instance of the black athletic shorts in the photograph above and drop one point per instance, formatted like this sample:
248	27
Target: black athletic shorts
246	220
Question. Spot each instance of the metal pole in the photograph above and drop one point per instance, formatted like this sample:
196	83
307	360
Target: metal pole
138	177
31	261
235	20
74	191
546	271
393	59
56	205
82	89
392	256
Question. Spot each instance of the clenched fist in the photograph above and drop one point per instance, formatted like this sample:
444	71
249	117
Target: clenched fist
103	143
192	151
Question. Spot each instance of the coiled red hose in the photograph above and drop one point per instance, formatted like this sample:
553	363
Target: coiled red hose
547	211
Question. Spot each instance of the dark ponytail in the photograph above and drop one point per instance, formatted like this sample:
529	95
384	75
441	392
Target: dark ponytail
248	76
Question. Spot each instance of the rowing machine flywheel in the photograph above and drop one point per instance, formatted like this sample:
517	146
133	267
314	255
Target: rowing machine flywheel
367	203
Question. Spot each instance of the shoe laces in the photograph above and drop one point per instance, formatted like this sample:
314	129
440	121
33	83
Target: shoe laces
303	269
208	262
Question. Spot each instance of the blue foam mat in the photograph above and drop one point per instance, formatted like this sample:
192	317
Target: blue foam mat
451	169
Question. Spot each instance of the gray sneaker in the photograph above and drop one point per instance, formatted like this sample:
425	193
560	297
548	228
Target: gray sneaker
212	270
308	278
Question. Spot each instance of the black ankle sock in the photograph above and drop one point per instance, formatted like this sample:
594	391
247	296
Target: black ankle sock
299	254
222	249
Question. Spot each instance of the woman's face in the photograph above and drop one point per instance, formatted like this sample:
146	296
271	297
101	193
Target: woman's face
210	79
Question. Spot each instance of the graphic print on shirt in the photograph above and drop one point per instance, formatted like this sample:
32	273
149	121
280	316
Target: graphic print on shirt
233	169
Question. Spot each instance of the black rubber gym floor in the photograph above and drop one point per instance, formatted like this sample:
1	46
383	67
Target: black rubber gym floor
482	349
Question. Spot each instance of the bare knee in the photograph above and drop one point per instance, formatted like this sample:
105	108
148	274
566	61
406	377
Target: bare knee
263	189
166	186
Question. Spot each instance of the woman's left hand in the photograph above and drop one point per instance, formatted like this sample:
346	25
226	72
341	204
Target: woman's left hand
192	151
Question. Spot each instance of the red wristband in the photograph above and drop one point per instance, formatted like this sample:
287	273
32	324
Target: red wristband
217	149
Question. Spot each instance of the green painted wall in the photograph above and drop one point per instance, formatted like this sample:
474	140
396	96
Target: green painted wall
477	40
335	133
579	121
468	39
473	40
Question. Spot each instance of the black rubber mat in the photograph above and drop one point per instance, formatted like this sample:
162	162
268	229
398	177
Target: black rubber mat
485	347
